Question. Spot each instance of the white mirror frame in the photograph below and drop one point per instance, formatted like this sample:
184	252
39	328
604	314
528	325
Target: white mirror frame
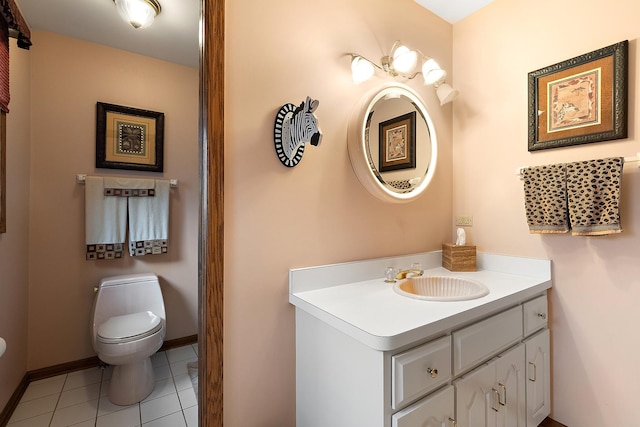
359	152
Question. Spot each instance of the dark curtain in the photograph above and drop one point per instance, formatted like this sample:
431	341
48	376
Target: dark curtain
4	66
11	24
17	25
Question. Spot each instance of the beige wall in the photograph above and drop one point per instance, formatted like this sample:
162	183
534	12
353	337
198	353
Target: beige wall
68	77
596	293
14	249
278	218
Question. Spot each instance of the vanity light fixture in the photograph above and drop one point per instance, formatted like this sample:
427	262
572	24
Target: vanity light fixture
404	63
138	13
445	92
361	69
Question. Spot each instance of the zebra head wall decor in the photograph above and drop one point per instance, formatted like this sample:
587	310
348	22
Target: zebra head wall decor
294	127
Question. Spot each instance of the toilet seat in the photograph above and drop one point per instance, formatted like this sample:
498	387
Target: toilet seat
129	327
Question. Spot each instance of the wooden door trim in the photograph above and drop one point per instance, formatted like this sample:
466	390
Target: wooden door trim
211	246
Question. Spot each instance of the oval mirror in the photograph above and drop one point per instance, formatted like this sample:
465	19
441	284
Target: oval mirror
392	144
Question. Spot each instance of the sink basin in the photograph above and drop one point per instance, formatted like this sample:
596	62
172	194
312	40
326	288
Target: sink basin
440	288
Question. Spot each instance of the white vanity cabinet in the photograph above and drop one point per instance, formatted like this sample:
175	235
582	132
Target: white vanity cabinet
499	377
368	357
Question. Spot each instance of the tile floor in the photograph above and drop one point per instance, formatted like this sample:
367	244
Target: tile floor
79	398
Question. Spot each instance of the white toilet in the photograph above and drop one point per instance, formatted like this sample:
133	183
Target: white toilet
129	325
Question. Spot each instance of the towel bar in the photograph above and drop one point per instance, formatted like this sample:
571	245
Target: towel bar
626	160
81	179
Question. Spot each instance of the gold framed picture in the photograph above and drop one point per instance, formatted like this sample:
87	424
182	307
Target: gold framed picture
581	100
129	138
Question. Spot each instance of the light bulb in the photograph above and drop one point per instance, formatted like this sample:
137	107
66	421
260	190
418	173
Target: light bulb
435	76
138	13
361	69
432	72
404	60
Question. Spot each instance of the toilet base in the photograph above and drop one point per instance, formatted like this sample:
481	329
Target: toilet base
131	383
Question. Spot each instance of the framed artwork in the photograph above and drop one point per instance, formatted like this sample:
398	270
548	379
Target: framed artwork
397	139
129	138
581	100
3	172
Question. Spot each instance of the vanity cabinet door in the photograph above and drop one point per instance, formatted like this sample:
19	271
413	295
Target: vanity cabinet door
494	394
538	378
510	383
476	399
435	410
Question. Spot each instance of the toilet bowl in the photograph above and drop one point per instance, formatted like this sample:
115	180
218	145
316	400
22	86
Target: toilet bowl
129	326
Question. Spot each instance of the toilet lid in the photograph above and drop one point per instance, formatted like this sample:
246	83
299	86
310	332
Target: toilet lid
129	327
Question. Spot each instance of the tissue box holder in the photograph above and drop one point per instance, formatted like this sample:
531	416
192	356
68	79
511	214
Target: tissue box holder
459	257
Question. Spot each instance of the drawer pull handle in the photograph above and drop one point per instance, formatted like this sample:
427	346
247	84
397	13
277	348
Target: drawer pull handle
543	316
504	391
534	372
455	424
433	372
496	394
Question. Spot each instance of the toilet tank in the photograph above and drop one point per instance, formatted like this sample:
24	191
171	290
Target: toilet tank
132	293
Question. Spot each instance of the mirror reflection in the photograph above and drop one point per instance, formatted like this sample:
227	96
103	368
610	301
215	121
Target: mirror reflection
393	145
399	143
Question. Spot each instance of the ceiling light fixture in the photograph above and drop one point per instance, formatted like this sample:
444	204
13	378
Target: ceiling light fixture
138	13
403	62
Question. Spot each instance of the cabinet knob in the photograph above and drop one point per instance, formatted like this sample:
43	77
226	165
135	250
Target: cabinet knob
433	372
543	316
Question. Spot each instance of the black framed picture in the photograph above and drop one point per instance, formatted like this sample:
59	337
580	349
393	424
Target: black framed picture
580	100
129	138
397	139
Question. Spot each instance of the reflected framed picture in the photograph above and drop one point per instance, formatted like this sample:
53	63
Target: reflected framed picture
129	138
397	139
580	100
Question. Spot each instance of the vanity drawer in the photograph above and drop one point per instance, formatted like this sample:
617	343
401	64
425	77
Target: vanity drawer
435	407
535	315
478	342
420	370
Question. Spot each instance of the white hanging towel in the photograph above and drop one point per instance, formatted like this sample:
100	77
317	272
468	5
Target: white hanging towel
105	221
149	222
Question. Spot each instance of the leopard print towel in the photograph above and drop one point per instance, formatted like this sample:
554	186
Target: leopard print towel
593	196
545	198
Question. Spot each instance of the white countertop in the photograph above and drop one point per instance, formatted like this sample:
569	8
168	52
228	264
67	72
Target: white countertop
373	313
